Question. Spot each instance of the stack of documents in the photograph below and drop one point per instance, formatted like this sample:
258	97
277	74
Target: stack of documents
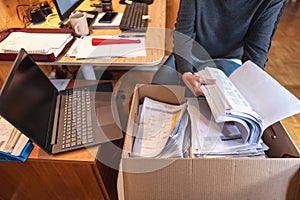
228	105
210	138
161	131
12	141
228	121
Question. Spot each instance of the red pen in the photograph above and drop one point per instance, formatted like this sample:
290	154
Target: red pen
102	41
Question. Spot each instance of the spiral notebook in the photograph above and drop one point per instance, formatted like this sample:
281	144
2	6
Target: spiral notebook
34	42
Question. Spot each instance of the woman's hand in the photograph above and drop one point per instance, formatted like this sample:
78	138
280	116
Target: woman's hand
194	81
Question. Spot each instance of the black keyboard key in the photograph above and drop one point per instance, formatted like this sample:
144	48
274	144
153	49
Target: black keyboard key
133	17
77	124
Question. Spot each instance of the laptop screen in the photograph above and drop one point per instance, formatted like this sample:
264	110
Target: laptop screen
27	100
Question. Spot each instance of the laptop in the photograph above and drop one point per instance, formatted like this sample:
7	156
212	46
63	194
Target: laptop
30	102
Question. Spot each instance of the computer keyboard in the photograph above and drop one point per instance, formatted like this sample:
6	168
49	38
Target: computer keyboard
135	17
77	119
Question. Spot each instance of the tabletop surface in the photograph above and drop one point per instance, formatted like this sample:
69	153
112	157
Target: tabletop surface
155	38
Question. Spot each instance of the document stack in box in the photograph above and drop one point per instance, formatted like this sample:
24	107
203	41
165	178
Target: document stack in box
228	121
224	139
162	130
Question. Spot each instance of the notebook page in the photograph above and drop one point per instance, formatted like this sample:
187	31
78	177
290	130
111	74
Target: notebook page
33	42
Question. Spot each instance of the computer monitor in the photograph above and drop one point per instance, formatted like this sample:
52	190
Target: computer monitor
66	7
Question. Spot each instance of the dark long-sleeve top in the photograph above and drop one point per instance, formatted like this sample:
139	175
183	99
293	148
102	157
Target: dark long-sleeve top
210	29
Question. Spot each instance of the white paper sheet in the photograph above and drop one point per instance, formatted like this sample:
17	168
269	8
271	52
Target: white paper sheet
86	50
265	95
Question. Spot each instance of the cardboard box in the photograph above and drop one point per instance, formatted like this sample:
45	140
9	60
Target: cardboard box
277	177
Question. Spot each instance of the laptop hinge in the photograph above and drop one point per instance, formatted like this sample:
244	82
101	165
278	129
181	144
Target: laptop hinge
55	121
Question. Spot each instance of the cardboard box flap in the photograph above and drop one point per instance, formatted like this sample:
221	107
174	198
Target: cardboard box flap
165	93
280	143
170	94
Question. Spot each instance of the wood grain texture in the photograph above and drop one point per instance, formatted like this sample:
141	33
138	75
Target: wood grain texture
155	39
4	70
49	180
172	10
9	17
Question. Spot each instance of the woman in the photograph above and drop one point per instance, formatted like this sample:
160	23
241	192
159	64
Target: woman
223	33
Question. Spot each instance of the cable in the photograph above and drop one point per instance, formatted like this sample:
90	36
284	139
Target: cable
48	18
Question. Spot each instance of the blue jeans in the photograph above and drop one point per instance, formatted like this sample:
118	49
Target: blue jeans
168	75
227	66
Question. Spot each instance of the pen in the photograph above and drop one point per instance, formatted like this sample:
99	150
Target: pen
101	41
128	36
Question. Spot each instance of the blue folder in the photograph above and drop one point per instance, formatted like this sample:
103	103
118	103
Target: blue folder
4	156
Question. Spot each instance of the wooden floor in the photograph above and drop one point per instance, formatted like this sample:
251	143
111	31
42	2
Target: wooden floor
284	60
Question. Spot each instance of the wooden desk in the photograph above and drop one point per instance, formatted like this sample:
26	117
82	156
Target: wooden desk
68	176
155	39
81	174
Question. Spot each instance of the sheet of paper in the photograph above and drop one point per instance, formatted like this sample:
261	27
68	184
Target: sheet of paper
20	145
73	50
265	95
87	50
5	131
60	84
12	141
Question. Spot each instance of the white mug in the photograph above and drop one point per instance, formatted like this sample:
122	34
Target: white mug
79	24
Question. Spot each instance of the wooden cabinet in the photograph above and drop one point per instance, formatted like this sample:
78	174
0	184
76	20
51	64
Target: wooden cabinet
4	70
73	175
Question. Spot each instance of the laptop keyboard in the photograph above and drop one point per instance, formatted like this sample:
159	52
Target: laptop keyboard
77	119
